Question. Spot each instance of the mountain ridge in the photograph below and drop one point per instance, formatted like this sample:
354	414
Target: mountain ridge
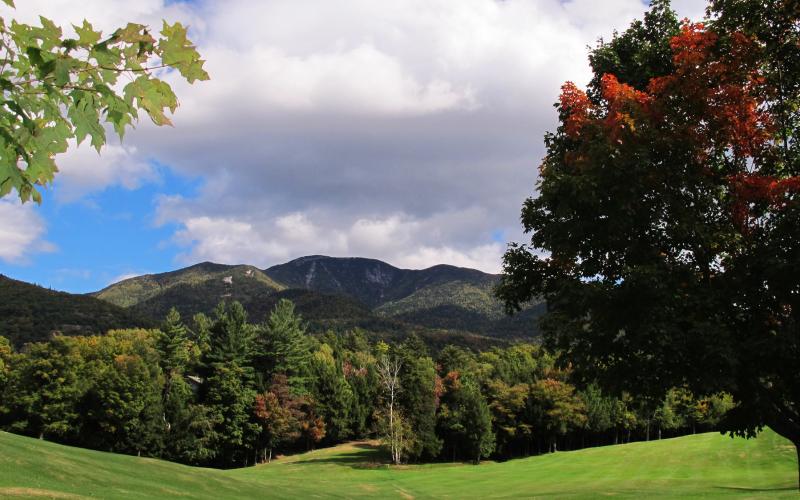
334	292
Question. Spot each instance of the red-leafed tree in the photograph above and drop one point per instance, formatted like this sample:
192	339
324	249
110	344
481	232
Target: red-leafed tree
278	413
665	234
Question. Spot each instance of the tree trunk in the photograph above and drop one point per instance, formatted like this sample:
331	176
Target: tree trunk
269	460
647	431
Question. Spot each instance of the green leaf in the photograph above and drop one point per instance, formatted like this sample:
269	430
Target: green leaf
70	44
10	3
132	33
177	51
62	69
84	117
87	36
152	95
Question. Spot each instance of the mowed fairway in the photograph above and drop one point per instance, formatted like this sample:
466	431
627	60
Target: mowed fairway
705	465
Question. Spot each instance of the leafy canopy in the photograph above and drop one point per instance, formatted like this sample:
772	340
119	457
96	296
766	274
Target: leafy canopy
664	235
58	87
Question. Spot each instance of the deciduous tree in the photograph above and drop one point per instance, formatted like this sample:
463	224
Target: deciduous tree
58	87
665	232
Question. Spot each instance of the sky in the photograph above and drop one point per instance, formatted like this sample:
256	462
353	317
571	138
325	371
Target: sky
408	131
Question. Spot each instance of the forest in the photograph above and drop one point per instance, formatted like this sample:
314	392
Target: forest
226	392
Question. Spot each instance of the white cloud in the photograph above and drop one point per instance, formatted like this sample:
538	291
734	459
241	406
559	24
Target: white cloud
82	170
21	233
123	277
398	239
407	131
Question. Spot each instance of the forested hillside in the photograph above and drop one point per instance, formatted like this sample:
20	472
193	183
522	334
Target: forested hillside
338	293
30	313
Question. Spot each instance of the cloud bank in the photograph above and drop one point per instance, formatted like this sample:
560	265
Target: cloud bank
406	131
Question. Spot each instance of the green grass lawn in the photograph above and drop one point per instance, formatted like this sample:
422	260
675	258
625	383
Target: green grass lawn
705	465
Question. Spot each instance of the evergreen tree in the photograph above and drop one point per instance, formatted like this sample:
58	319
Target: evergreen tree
174	345
229	386
284	346
465	421
175	351
479	438
332	395
230	398
418	399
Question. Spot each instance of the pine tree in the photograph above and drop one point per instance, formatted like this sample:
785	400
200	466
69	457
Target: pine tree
284	346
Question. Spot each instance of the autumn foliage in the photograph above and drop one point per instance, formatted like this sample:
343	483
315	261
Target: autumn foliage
664	230
713	104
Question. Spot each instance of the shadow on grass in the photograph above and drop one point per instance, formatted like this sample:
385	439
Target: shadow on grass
367	456
756	490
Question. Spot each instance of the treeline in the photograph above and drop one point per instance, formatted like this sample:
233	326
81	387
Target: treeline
229	393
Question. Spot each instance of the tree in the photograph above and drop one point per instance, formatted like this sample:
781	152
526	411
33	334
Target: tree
229	387
664	236
43	389
57	88
121	409
277	412
507	404
599	409
465	419
284	345
418	399
333	397
389	367
231	399
667	416
175	352
359	371
556	409
6	352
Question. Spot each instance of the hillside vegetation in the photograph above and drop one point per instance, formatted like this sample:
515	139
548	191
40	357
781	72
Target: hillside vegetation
30	313
206	278
337	293
704	465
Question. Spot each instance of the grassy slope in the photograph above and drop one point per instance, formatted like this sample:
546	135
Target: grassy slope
706	465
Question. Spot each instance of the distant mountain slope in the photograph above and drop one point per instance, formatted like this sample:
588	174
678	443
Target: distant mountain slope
473	297
465	307
370	281
192	286
30	313
337	293
257	299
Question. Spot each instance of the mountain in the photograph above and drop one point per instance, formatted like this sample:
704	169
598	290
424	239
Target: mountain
439	297
211	281
30	313
336	293
370	281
